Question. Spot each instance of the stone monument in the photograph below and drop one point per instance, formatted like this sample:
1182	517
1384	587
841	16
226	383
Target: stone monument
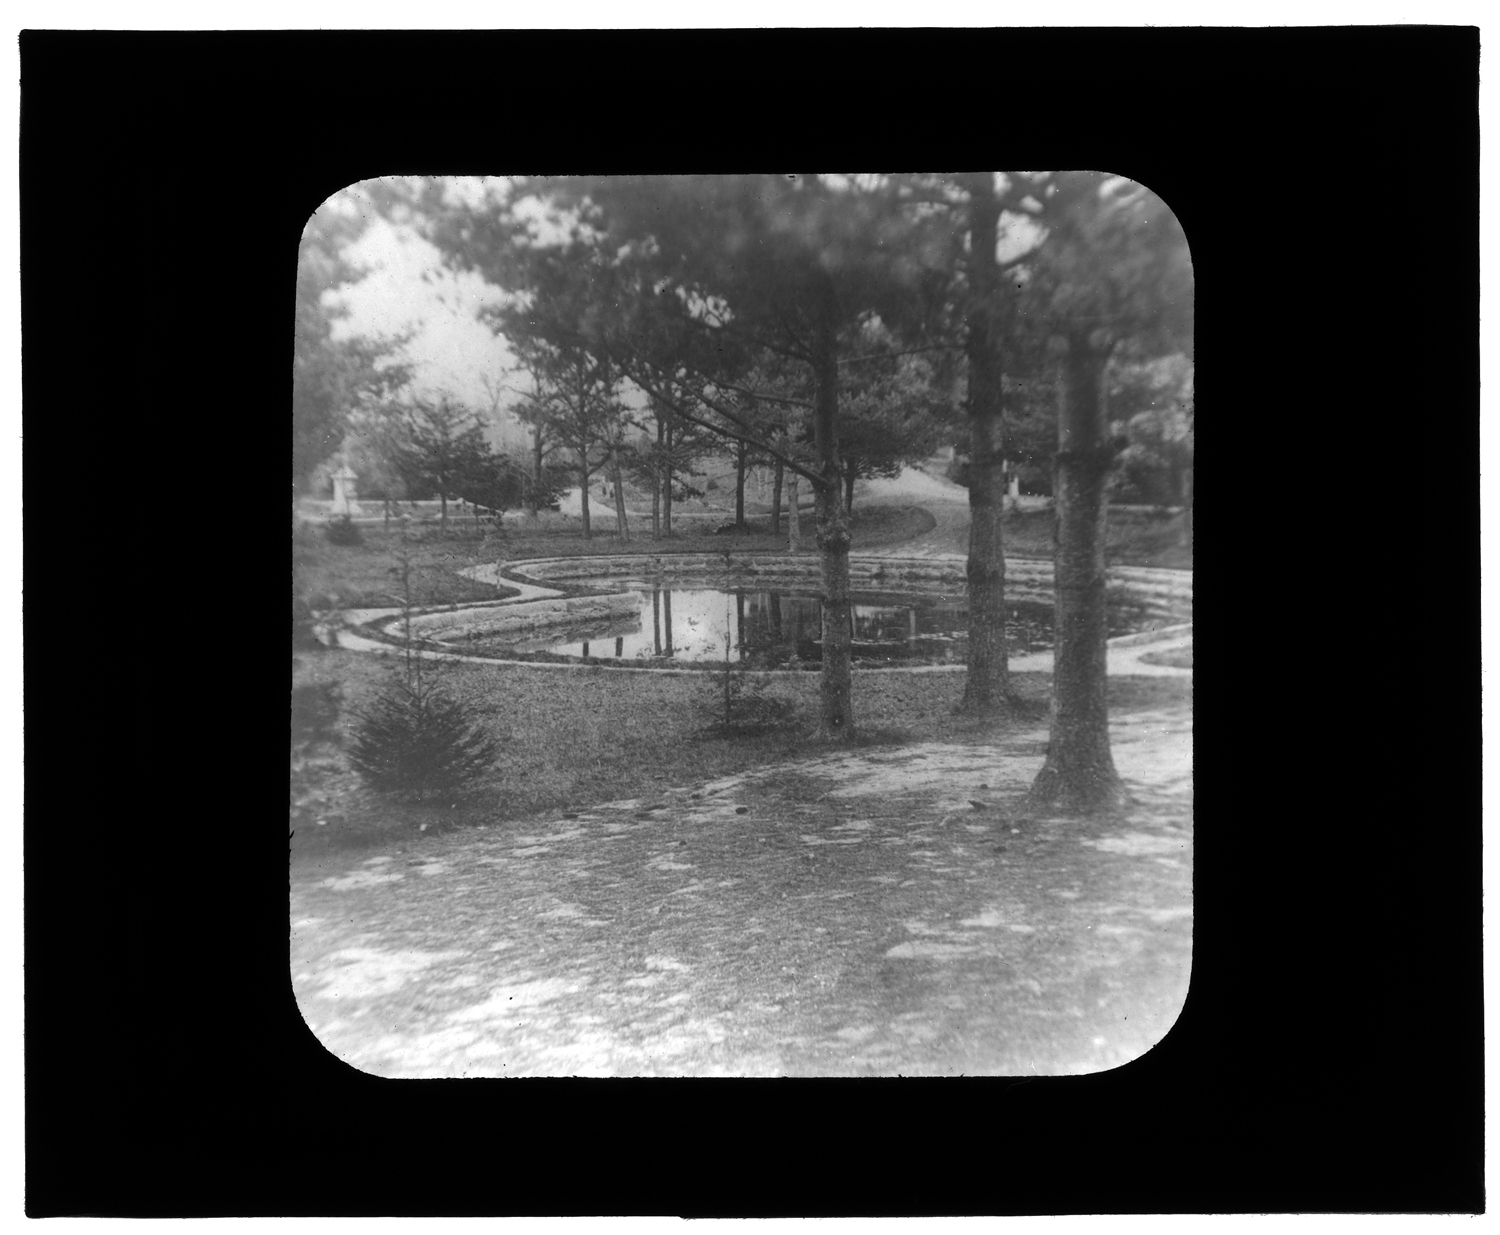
343	492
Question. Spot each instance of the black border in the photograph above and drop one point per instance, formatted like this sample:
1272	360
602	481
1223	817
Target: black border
1330	1055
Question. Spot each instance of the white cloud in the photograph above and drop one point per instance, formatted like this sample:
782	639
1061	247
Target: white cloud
408	289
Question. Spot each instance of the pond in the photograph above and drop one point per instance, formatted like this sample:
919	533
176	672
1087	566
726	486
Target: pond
783	628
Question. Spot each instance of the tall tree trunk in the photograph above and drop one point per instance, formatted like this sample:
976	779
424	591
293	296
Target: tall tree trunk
988	680
666	492
837	686
583	492
536	477
793	515
739	486
1079	775
619	483
776	499
851	470
656	471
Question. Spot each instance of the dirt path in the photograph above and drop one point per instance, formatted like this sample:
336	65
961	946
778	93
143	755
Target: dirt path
856	914
949	539
947	502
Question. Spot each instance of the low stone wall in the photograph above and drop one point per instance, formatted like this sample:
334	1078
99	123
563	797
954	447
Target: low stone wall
1166	596
517	619
1163	593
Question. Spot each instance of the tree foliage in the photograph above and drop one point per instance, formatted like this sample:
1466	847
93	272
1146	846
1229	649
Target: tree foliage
413	743
895	410
446	454
687	285
735	267
1113	278
829	324
1154	401
332	379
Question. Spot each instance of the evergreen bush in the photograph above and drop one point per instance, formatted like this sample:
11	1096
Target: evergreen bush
736	702
413	743
416	745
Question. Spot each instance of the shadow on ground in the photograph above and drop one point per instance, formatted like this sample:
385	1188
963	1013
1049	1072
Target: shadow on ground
881	912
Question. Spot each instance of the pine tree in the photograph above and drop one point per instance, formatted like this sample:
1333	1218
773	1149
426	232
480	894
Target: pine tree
412	742
446	449
1113	276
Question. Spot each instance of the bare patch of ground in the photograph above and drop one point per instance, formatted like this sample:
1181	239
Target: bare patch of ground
873	912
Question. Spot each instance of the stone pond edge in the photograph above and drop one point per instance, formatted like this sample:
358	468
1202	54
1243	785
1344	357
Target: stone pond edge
1168	593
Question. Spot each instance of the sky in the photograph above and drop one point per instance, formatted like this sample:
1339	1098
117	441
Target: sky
407	288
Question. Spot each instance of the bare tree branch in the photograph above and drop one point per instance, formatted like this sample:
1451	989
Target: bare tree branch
756	394
911	351
748	435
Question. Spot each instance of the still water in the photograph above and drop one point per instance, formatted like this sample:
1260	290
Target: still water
785	627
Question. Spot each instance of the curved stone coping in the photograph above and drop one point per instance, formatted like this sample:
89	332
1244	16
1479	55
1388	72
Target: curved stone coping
1167	592
862	566
1123	659
502	618
492	574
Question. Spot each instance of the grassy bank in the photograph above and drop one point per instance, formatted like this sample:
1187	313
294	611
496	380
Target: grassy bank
571	737
1132	538
366	575
872	528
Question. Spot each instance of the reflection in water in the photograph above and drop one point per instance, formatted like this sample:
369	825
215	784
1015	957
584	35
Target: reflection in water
782	627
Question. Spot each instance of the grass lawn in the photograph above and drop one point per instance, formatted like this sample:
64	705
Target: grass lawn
571	737
873	527
1132	538
365	575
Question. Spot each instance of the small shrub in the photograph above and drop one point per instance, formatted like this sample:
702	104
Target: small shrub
735	700
415	745
344	532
